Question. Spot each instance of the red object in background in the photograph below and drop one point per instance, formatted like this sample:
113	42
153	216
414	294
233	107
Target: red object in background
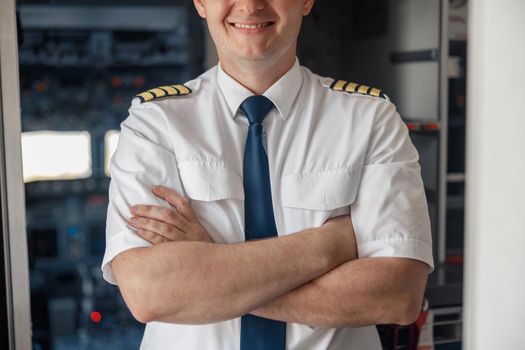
432	126
414	330
411	126
95	316
100	199
139	81
460	100
41	87
116	82
454	259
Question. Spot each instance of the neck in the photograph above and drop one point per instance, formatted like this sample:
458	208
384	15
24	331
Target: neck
257	76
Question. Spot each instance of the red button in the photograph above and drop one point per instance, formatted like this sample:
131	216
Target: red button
95	316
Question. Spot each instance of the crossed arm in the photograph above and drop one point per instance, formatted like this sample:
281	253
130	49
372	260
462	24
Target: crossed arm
310	277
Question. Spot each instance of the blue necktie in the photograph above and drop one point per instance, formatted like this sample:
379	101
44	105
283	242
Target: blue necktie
258	333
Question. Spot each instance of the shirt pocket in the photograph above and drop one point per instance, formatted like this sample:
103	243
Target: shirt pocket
309	199
210	181
217	197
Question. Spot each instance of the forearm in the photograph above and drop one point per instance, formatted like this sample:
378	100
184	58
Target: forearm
358	293
196	282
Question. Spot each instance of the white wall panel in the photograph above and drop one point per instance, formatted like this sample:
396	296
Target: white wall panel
495	204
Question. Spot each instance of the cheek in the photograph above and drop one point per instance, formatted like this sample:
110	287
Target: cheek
292	26
292	15
215	24
215	33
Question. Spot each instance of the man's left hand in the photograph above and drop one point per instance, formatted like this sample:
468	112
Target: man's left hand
160	225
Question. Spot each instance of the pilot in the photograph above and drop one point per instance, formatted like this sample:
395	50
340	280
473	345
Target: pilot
261	206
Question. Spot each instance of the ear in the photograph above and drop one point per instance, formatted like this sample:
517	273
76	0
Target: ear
201	9
307	8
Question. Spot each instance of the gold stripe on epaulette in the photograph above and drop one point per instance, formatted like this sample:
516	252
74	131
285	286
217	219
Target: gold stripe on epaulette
146	96
375	92
158	92
183	90
363	89
351	87
170	90
164	91
338	85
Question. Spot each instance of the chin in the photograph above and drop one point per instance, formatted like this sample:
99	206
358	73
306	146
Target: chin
255	54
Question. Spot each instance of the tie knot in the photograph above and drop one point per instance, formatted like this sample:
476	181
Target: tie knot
256	108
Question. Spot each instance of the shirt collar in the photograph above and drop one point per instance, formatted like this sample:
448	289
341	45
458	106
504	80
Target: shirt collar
282	93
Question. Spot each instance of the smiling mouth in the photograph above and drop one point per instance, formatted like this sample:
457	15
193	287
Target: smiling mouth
251	26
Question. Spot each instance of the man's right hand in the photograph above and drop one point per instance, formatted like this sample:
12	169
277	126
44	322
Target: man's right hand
159	225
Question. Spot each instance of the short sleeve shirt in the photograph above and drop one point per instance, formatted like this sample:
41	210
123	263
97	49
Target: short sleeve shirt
329	153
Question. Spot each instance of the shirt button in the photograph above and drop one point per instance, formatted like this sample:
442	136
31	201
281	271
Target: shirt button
263	134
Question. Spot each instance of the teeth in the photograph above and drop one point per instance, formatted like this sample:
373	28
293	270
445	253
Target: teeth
250	26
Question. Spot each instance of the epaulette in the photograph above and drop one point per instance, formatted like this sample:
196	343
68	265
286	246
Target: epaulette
164	91
343	85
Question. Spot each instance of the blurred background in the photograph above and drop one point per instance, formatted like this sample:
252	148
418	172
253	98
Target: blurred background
81	63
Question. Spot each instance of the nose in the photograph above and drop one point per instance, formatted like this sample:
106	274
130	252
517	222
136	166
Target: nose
250	6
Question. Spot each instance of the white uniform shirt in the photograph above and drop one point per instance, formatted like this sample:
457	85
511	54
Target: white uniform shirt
329	153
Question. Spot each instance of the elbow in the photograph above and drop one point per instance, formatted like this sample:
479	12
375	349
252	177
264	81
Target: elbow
409	300
401	309
407	311
410	315
143	302
142	313
134	288
147	306
136	299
